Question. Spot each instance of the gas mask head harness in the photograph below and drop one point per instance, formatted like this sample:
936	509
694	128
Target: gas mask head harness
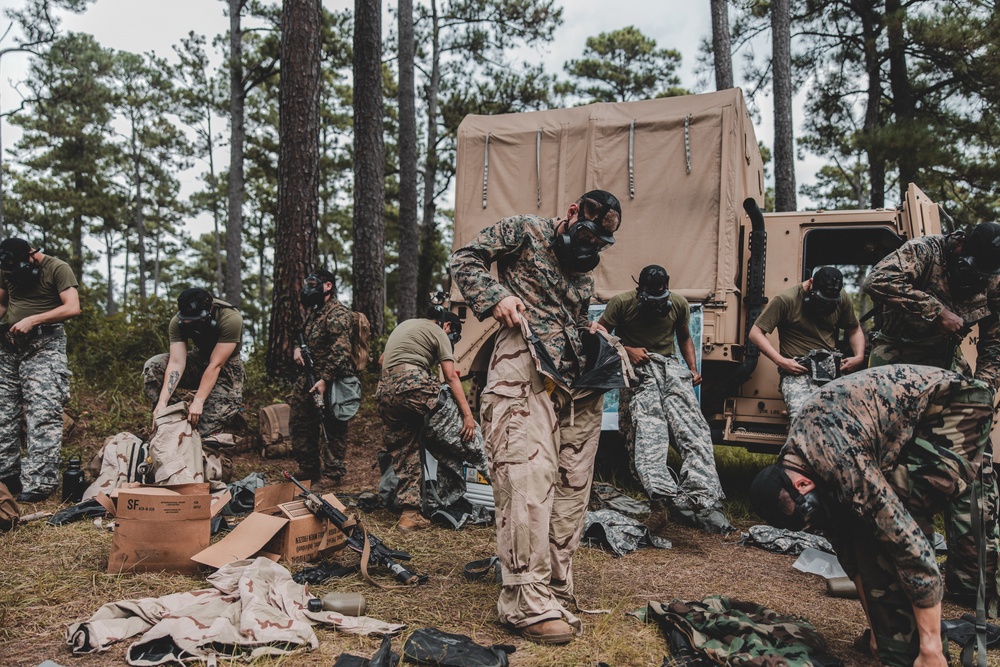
194	315
824	296
578	247
774	497
971	268
652	293
313	293
15	261
438	313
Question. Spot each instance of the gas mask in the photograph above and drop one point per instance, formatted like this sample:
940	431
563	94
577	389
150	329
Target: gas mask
578	248
809	511
18	267
652	295
312	294
824	297
970	272
454	337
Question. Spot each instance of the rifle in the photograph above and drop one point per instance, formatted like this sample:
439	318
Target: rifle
371	548
318	399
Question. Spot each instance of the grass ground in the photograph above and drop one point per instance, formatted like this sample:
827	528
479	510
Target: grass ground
50	577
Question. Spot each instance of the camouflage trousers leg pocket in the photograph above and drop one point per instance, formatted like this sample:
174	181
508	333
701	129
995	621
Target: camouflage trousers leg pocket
505	428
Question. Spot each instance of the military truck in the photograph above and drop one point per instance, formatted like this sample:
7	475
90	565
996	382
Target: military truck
682	167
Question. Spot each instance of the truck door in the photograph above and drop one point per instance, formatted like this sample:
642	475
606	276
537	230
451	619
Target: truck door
920	216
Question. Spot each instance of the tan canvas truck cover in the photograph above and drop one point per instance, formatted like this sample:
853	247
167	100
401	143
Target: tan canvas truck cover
681	167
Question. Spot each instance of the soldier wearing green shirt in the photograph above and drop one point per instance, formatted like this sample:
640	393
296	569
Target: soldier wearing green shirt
664	408
213	367
37	294
807	317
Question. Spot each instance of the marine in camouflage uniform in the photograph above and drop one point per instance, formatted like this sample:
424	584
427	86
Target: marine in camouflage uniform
213	367
37	294
327	333
928	294
408	392
541	434
664	408
807	318
888	448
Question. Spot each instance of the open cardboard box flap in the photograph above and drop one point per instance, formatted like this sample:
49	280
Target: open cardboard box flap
279	526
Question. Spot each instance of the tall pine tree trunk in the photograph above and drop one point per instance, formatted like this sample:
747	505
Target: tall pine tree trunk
409	232
428	228
298	174
903	103
870	22
237	97
369	165
722	49
781	70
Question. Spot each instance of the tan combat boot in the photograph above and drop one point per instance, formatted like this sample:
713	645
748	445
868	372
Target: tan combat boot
552	631
411	520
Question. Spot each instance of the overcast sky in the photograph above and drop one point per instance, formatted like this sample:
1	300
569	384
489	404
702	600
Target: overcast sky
155	25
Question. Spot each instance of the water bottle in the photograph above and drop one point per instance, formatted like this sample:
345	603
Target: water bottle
348	604
74	483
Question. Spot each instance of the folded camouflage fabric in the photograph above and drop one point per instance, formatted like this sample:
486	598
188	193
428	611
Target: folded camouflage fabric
253	609
620	533
722	631
783	541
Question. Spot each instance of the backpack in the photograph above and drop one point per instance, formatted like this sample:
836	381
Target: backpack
361	338
275	436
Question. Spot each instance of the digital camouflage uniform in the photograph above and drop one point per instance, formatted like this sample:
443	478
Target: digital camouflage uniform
327	332
225	400
664	409
541	436
34	385
889	448
799	334
910	289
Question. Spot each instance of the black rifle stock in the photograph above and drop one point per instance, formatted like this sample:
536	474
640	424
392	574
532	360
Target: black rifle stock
358	539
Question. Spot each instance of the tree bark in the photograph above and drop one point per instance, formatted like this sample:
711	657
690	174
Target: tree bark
781	70
237	97
298	174
722	50
870	21
903	102
369	165
428	227
409	232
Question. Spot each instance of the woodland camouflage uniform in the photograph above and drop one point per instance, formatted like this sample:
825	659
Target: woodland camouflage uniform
327	331
910	289
889	448
421	415
541	436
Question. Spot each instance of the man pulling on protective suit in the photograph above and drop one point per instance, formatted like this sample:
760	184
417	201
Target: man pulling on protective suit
927	295
37	294
664	406
807	318
328	394
871	459
541	425
408	392
213	368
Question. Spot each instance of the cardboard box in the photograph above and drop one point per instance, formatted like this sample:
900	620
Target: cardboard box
280	527
159	528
